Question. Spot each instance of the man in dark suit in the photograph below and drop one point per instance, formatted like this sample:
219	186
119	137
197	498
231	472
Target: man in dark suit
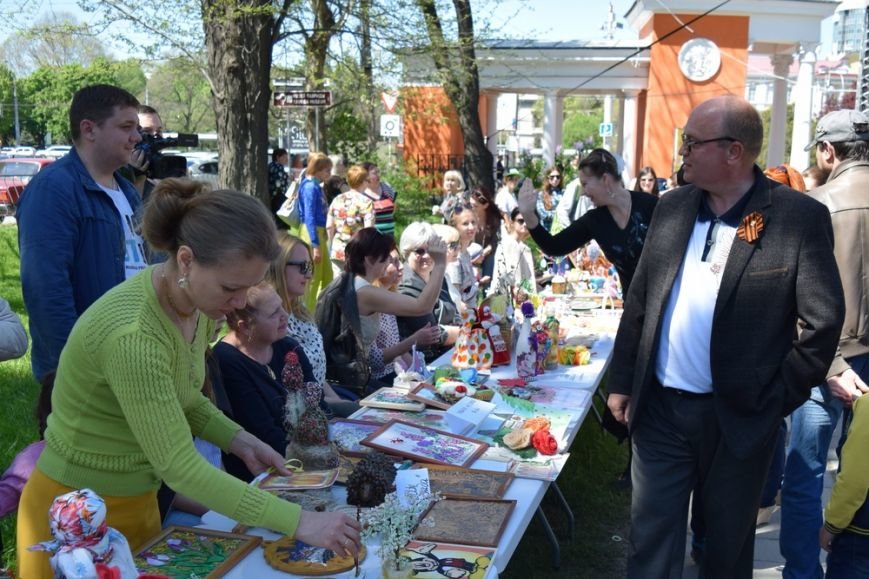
708	358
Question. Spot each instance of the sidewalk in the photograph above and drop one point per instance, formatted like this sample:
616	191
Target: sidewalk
768	561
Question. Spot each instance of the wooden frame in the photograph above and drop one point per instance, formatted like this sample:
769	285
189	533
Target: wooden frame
478	522
457	482
348	431
392	398
427	394
429	417
170	553
426	444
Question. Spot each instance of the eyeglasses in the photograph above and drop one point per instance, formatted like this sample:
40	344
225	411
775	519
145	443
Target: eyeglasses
420	251
688	143
555	176
304	266
453	245
520	221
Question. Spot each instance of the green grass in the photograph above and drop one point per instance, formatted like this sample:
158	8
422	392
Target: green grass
18	389
586	481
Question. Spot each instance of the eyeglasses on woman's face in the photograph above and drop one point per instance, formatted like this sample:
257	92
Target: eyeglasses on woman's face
554	177
305	267
421	251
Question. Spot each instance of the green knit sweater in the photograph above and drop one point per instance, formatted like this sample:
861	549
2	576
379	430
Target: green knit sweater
127	402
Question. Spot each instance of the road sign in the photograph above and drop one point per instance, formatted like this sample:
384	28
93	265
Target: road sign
389	100
302	98
390	126
606	130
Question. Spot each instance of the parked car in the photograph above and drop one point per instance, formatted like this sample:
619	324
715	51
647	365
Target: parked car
15	174
203	170
24	152
54	151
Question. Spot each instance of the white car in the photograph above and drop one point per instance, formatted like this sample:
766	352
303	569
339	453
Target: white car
54	151
24	152
203	170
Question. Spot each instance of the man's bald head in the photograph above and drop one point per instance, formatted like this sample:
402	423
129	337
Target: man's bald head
736	118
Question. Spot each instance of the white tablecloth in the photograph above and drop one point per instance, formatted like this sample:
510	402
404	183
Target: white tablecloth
526	492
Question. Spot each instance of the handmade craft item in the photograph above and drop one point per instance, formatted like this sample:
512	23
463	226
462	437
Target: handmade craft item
428	394
552	326
83	539
392	398
451	481
427	417
453	390
347	435
426	444
491	323
189	552
465	348
438	560
447	520
298	481
526	355
543	346
307	425
371	480
299	558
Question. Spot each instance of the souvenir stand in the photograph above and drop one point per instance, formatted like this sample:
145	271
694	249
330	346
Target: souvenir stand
563	393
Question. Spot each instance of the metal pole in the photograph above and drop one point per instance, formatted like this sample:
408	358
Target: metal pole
15	106
317	128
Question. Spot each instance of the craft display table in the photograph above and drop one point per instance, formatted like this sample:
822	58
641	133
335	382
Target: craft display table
528	493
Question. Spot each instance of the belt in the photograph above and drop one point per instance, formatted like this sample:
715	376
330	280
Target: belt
682	393
686	393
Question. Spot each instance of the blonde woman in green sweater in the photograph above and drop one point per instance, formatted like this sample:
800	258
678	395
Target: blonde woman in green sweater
127	398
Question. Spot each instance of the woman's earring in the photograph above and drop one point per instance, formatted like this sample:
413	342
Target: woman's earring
183	282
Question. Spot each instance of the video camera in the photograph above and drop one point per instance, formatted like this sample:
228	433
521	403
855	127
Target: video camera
162	166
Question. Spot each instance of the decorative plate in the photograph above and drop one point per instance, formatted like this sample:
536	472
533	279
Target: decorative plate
291	556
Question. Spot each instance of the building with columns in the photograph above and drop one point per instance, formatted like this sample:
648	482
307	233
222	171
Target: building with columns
687	52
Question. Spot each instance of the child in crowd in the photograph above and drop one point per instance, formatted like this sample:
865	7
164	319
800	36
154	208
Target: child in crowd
460	274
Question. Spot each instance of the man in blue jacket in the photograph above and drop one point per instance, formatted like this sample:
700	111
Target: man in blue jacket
77	221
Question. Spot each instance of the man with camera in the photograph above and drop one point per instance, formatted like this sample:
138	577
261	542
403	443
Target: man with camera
76	221
150	124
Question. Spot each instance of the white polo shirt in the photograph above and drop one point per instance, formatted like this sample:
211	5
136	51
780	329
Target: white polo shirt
683	360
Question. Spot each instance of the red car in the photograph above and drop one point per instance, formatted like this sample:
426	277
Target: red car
15	174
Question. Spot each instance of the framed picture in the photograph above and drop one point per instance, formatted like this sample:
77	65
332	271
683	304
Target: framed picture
347	434
449	520
427	417
431	560
452	481
188	552
298	481
392	398
426	394
425	444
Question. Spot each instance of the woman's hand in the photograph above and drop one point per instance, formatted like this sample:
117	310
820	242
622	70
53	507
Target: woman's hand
316	254
427	335
335	531
825	539
256	454
527	200
437	249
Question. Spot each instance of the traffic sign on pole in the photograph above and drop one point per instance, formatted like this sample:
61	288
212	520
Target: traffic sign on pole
302	98
389	100
606	130
390	126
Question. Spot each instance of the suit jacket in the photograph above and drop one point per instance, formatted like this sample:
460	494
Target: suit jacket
762	368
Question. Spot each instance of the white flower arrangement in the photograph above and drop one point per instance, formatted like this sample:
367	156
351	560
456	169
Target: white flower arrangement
396	520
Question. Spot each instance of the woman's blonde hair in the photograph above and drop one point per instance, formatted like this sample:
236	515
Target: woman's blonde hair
317	162
277	275
446	232
356	176
452	173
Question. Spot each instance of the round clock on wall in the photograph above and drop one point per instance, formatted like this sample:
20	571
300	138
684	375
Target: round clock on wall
699	59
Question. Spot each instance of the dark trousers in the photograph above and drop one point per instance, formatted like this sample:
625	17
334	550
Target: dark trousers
677	445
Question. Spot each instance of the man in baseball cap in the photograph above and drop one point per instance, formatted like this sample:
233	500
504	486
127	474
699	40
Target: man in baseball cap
842	150
841	127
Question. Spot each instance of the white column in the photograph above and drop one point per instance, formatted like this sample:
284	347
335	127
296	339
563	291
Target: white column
775	153
492	124
607	119
801	137
553	117
620	125
629	128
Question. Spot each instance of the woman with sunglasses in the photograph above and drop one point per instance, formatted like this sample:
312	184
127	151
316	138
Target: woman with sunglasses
290	273
618	222
420	276
550	195
514	263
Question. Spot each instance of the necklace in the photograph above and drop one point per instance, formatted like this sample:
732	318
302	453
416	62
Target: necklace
178	312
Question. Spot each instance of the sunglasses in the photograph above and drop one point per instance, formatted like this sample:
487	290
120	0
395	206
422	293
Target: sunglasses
304	266
420	251
555	176
520	221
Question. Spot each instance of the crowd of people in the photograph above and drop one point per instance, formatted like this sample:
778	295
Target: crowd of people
736	283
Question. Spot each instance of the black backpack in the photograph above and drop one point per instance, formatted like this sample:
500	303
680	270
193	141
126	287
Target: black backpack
337	316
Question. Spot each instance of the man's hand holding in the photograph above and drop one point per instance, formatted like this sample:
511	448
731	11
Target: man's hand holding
847	386
620	406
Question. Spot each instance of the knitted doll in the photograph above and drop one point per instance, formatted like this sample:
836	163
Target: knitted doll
307	425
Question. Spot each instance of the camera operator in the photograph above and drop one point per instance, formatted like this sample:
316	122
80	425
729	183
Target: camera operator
151	124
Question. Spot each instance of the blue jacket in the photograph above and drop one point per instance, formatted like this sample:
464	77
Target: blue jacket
312	208
72	247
